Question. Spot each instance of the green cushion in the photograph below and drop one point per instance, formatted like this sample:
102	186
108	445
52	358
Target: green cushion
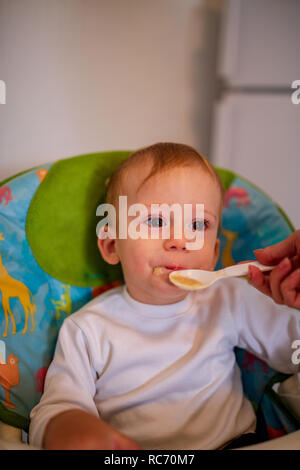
61	219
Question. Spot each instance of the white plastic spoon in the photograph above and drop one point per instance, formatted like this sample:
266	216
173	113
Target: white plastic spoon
192	279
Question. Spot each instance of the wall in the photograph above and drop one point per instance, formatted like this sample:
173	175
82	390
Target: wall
89	75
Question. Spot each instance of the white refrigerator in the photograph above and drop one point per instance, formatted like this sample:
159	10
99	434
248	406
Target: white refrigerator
256	129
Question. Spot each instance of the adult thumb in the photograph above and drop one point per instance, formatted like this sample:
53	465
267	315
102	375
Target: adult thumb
273	254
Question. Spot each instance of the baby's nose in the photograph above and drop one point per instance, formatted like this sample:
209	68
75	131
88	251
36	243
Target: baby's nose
174	244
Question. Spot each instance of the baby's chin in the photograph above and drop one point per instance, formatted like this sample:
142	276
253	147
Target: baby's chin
163	287
166	296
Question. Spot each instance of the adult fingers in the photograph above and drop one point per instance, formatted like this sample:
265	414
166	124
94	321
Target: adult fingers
289	286
273	254
259	281
277	277
291	290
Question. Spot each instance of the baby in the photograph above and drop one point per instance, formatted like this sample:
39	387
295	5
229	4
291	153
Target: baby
148	365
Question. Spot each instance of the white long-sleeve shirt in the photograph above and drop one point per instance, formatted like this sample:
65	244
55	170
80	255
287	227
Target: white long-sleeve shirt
166	375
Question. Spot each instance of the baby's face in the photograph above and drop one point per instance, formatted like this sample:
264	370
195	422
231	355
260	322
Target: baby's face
140	258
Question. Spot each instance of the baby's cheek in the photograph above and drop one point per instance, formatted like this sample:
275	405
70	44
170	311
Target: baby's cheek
138	262
206	257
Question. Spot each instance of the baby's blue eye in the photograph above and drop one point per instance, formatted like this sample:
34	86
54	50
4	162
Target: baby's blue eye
199	225
155	222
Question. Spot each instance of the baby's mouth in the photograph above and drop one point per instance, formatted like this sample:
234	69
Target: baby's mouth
159	270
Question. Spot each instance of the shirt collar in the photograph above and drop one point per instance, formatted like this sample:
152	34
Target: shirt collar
158	311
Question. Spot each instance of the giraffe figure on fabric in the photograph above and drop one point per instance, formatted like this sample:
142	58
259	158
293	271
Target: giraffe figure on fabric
10	287
64	304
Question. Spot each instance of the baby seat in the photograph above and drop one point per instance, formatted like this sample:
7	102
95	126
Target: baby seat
50	267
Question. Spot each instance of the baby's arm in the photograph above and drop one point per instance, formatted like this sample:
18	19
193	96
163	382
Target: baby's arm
265	328
67	416
77	429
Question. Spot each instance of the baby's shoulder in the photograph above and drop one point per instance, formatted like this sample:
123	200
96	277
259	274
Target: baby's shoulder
99	307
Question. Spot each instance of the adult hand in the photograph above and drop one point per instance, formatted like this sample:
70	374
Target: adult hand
283	282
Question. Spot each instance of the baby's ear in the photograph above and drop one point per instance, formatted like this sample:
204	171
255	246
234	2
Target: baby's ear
107	247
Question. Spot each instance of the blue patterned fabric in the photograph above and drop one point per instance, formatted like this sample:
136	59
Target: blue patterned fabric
250	220
27	287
